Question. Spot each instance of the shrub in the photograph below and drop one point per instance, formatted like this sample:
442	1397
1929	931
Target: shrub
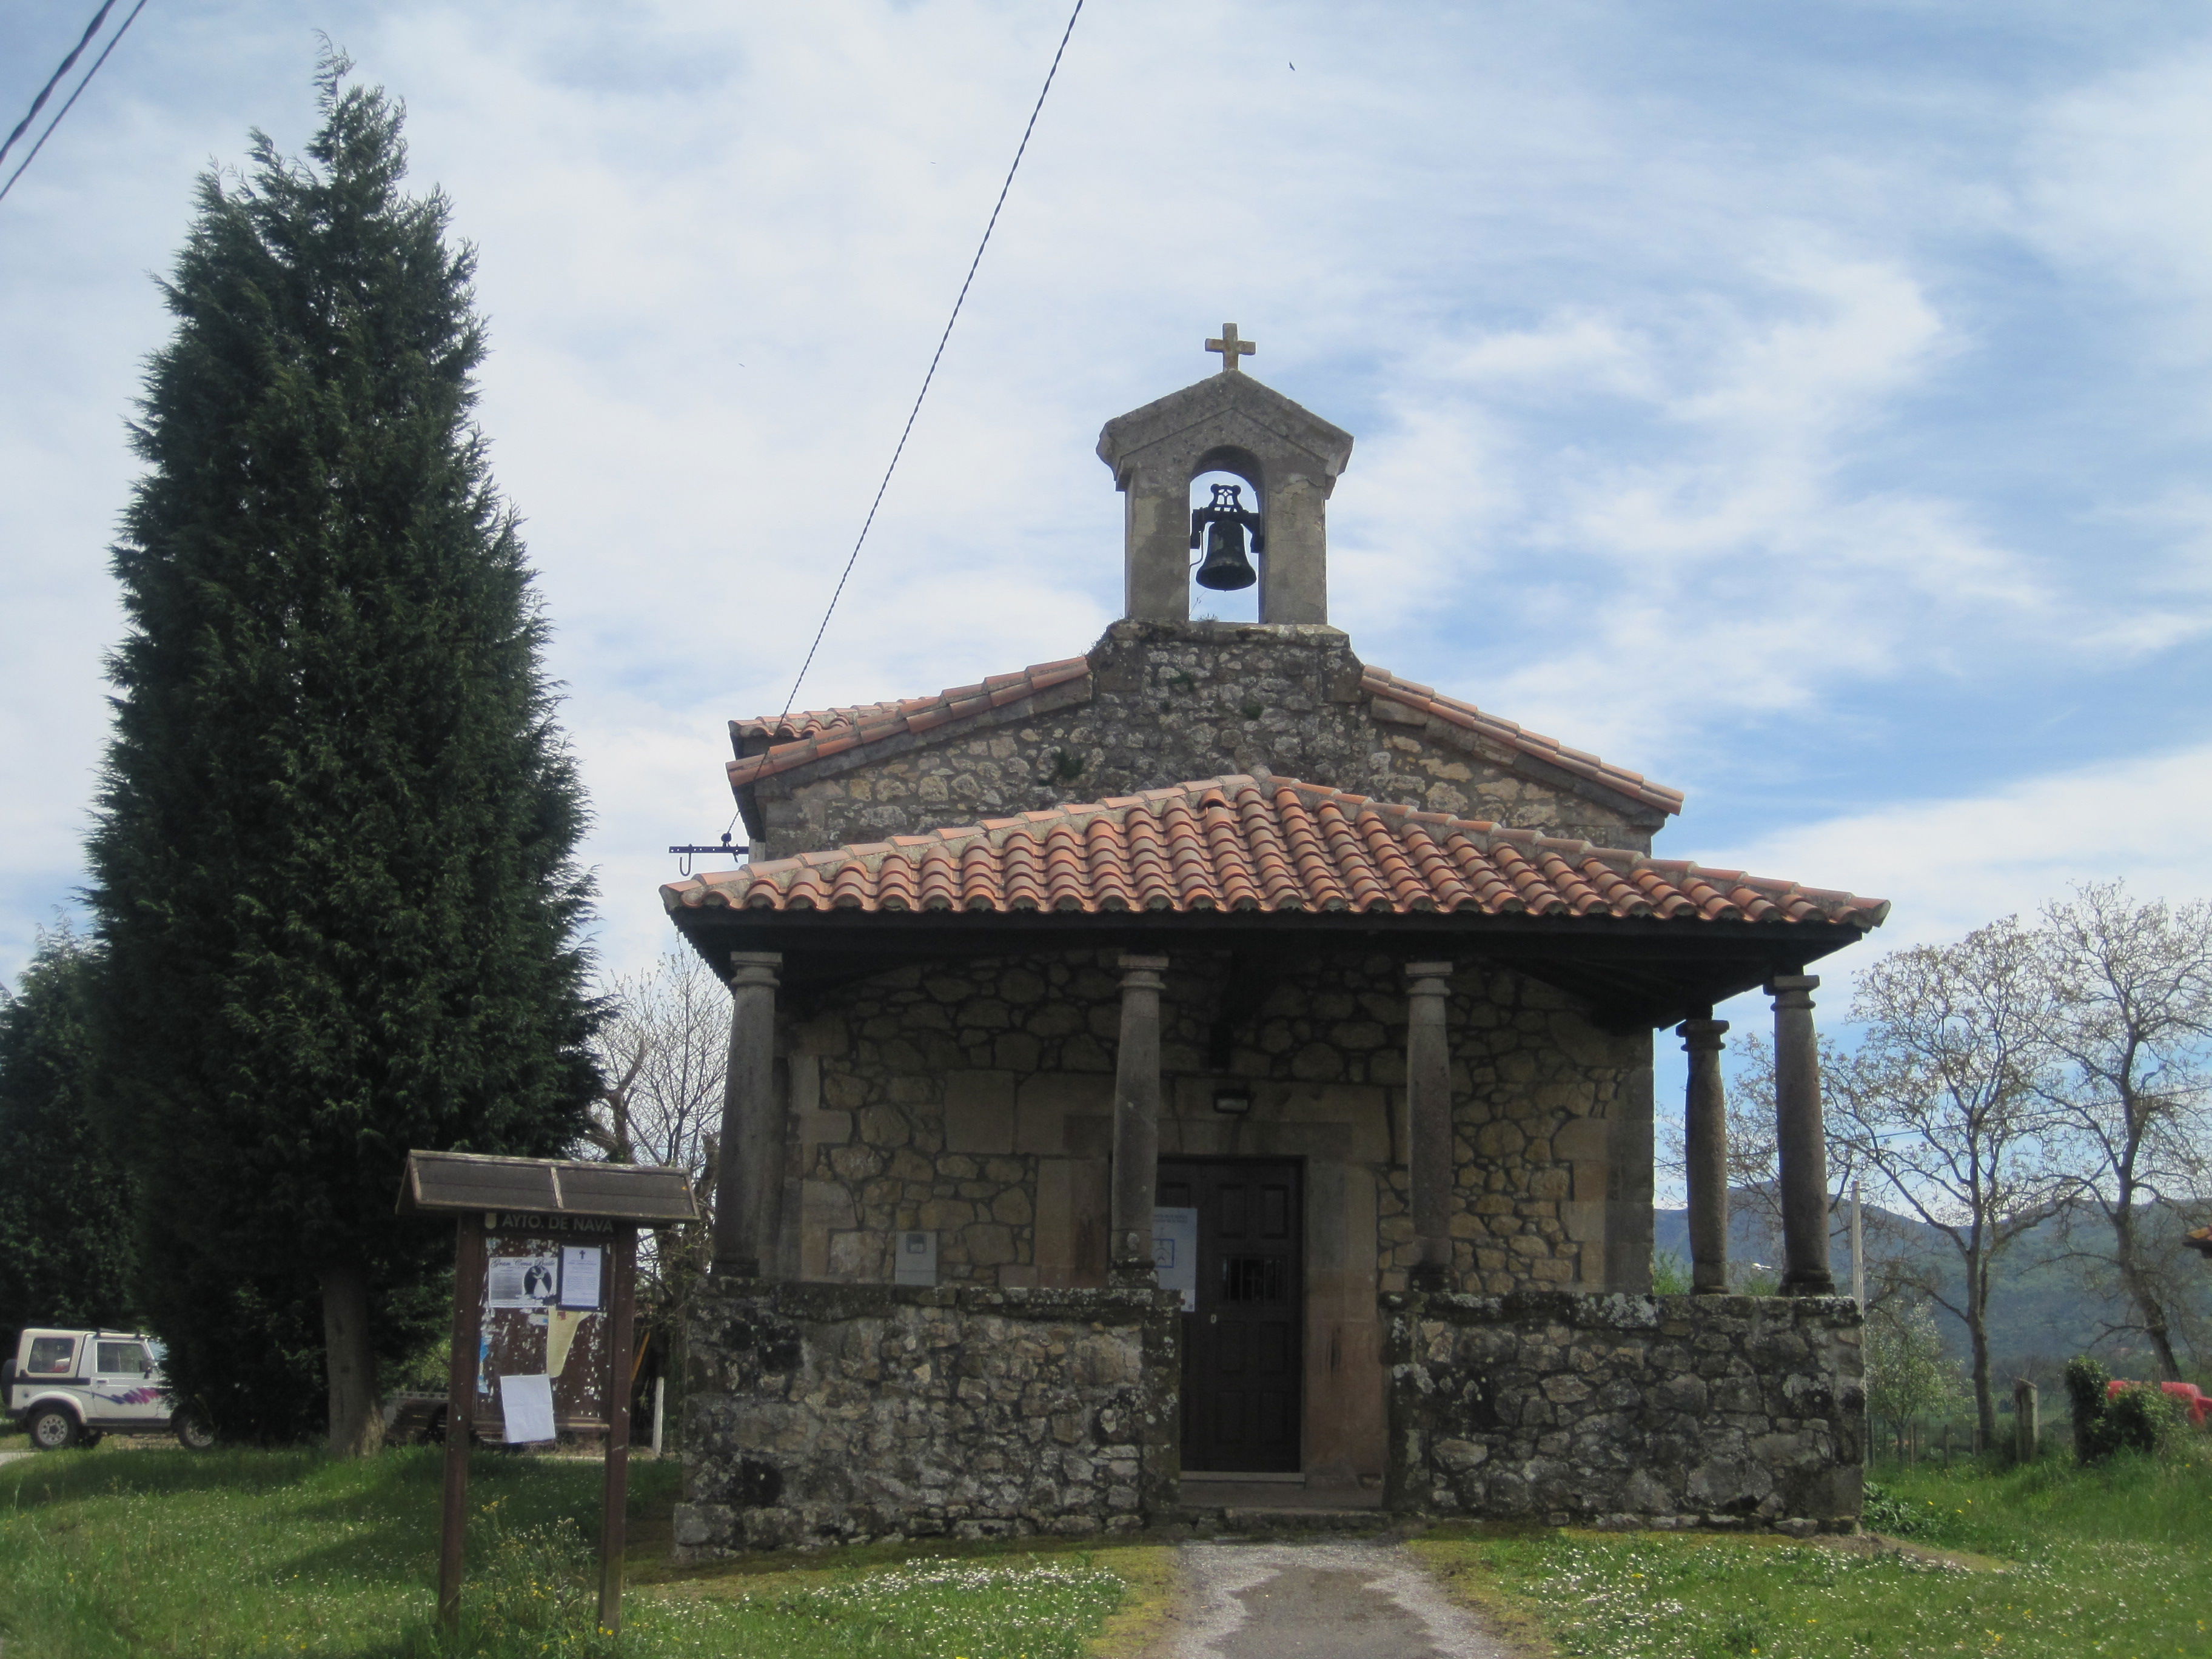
2143	1418
1883	1510
2139	1417
2085	1394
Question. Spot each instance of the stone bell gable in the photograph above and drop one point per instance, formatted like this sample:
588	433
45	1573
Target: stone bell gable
1155	701
1228	423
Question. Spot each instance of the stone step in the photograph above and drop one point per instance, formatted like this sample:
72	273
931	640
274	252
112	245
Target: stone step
1238	1517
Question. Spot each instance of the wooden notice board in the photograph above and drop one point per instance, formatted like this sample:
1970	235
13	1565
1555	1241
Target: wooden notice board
544	1268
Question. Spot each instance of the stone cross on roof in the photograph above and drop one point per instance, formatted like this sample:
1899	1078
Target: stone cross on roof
1230	349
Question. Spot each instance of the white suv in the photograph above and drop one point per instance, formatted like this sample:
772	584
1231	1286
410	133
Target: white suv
69	1388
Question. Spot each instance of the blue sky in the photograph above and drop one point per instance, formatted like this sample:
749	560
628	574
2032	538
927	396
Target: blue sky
1804	405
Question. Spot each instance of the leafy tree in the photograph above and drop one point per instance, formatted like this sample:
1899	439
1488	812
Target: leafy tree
2129	991
334	860
65	1230
1908	1375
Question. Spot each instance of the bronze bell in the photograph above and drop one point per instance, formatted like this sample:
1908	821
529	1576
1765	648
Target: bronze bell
1225	568
1222	524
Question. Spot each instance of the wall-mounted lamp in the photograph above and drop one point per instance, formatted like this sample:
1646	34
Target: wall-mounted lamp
1237	1102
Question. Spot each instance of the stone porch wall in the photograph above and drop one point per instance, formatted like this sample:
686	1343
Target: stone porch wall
976	1101
822	1414
1661	1410
1172	701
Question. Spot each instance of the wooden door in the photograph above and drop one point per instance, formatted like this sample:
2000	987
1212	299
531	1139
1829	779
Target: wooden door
1243	1345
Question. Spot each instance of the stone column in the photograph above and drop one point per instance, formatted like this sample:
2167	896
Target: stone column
1429	1118
1136	1122
1704	1138
749	1183
1802	1139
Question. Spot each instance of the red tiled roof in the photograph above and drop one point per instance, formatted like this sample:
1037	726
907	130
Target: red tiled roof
817	734
1382	683
1241	843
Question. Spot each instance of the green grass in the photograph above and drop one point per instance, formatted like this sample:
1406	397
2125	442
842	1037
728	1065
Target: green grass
234	1553
2047	1560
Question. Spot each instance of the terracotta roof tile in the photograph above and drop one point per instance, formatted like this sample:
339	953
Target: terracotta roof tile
814	734
1274	844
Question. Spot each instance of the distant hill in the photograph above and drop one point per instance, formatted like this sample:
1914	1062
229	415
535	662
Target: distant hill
2041	1314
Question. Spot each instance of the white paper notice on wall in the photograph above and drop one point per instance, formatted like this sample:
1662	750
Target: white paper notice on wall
914	1260
1175	1252
579	1276
528	1402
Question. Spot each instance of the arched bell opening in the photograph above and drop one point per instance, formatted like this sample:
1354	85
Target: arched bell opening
1228	537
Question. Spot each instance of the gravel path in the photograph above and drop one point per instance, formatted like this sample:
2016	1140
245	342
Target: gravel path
1333	1600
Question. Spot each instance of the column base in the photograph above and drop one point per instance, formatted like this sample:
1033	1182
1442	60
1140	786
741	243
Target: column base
1810	1285
1428	1278
1133	1276
735	1266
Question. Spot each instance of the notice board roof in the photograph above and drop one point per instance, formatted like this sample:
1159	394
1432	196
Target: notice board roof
456	1182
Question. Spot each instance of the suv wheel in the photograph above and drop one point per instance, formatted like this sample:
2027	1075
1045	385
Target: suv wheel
51	1428
192	1431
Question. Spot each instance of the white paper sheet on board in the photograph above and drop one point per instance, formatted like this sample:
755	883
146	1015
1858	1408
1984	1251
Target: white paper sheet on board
524	1281
1175	1252
528	1404
579	1276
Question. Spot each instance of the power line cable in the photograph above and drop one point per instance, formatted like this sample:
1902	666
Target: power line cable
113	40
46	91
1019	150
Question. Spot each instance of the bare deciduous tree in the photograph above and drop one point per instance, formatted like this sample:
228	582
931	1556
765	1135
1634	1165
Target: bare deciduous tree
663	1052
1943	1103
2128	993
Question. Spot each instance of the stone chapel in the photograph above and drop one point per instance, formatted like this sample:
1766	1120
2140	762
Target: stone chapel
1213	1072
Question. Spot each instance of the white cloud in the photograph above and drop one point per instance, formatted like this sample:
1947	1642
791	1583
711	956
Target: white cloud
1639	329
1950	866
2117	185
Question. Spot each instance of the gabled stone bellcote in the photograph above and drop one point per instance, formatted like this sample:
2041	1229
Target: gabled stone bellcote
1227	422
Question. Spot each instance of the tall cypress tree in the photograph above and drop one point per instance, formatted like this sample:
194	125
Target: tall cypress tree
65	1234
334	862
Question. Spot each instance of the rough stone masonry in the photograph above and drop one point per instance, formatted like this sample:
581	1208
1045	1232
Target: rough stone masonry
1715	1410
833	1413
1167	702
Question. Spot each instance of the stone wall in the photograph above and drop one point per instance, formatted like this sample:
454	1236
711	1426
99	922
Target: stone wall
967	1099
824	1414
1659	1411
1173	702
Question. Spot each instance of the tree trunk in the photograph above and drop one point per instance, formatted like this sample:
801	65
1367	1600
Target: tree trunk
2127	1251
1977	1331
356	1419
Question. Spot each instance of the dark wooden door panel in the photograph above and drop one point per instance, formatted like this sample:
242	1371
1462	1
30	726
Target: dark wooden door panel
1243	1348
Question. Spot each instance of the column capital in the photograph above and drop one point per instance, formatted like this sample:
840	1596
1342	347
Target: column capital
1702	1036
1793	990
1428	977
756	968
1142	973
